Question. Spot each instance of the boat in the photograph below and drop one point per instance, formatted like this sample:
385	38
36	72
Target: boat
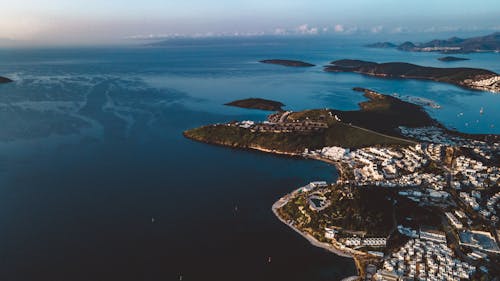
481	111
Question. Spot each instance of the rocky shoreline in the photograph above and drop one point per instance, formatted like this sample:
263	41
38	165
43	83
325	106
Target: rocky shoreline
5	80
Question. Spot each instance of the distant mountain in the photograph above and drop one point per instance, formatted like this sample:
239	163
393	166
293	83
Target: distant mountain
488	43
406	46
381	45
4	80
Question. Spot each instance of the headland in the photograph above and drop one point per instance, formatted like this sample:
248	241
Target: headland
470	78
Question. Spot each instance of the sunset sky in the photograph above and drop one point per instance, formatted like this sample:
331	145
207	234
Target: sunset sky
113	21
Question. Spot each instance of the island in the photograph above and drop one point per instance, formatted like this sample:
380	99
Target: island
5	80
470	78
412	200
488	43
258	103
381	45
450	58
293	63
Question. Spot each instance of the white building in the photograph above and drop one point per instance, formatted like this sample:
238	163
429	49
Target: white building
454	221
433	235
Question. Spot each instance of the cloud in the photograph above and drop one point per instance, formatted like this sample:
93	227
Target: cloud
399	29
280	31
305	29
377	29
339	28
209	34
433	29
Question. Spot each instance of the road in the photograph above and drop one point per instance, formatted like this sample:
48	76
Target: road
383	135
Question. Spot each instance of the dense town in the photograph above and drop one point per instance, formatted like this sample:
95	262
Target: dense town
453	174
491	84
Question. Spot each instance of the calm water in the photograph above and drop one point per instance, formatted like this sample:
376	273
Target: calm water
97	182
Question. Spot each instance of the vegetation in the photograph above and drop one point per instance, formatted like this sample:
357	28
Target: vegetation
382	114
257	103
338	134
410	213
456	76
364	210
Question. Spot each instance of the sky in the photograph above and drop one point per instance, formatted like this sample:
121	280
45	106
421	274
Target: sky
59	22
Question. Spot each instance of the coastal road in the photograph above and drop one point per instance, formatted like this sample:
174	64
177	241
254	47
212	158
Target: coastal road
383	135
284	116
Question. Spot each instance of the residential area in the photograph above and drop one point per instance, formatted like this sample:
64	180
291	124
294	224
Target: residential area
454	178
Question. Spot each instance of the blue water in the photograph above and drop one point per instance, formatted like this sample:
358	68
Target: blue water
91	152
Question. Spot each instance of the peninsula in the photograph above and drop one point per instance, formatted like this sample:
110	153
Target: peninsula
294	63
450	58
488	43
413	199
471	78
257	103
288	132
4	80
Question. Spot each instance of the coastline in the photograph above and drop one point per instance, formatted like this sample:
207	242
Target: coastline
236	139
346	253
330	247
468	78
307	236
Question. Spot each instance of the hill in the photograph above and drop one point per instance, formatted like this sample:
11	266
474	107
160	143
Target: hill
472	78
257	103
488	43
375	123
381	45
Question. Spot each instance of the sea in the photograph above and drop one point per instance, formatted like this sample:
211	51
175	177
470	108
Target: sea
98	183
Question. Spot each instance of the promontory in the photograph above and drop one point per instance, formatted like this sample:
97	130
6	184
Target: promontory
5	80
471	78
